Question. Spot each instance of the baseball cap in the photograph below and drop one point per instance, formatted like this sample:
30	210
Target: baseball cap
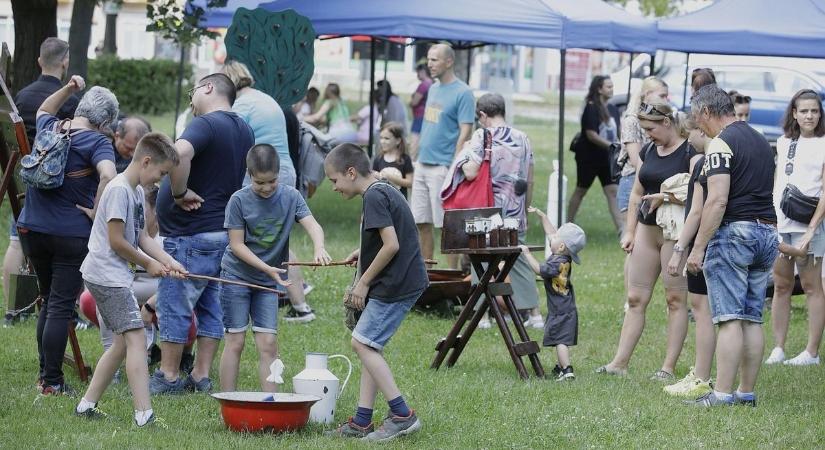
574	239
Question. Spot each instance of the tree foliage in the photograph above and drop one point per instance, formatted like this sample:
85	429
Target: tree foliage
141	86
180	24
657	8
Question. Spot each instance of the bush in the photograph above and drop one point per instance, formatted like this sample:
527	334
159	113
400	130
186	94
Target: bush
145	86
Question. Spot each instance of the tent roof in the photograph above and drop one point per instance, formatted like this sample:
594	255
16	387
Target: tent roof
749	27
537	23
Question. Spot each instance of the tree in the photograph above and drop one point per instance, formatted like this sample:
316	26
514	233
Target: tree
80	36
111	8
657	8
35	21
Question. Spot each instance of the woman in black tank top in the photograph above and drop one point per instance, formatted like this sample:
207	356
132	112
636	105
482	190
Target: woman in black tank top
643	240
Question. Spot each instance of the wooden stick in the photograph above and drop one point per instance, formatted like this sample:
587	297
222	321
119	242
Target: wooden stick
336	263
239	283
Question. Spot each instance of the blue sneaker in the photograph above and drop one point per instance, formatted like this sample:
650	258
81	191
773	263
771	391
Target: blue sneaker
710	400
749	400
204	385
159	385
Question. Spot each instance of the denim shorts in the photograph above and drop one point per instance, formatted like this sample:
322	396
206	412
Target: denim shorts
380	320
625	188
816	247
239	303
737	265
200	254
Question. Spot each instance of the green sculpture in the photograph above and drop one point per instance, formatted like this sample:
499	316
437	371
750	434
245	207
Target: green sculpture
278	48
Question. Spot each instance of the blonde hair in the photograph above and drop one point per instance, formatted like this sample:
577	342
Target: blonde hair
649	85
663	110
239	74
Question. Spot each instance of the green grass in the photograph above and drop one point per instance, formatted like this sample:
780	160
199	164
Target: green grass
479	403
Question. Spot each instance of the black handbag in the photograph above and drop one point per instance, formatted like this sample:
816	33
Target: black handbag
616	164
794	204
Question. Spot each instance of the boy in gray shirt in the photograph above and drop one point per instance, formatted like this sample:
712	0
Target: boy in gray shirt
259	218
109	269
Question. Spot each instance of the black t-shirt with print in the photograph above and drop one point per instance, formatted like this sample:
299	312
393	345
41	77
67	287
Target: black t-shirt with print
591	120
696	177
404	165
384	206
745	155
656	169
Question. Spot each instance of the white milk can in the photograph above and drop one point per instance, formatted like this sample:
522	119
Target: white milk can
316	379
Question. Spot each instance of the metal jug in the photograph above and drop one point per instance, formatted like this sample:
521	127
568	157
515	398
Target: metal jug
316	379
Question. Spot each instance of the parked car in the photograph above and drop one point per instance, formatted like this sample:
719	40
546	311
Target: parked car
769	87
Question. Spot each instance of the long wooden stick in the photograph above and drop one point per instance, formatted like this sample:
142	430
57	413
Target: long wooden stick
336	263
239	283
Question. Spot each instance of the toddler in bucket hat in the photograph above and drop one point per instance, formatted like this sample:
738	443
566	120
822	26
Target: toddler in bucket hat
573	238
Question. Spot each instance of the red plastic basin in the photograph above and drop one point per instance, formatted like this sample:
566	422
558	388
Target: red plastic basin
250	412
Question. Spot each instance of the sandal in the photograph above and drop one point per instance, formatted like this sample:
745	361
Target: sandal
605	369
662	375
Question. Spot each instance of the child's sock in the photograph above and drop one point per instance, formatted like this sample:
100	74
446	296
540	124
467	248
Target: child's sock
399	407
84	406
744	395
363	417
722	396
141	417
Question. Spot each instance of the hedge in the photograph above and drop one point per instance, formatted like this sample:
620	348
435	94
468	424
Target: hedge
145	86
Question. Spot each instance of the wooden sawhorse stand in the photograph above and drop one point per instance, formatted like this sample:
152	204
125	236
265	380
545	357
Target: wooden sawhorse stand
491	283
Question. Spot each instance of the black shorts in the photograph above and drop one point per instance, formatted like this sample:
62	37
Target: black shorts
561	329
590	165
696	284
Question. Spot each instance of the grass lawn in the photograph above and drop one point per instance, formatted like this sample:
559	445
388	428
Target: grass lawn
479	403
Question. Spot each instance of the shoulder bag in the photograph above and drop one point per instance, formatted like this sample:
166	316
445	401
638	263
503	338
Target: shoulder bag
794	204
477	193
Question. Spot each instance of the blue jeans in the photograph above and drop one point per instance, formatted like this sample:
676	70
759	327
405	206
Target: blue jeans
380	320
738	262
625	187
200	254
239	303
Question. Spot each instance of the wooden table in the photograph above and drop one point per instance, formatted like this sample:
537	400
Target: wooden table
491	283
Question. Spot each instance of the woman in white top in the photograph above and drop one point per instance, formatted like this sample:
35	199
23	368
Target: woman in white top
800	162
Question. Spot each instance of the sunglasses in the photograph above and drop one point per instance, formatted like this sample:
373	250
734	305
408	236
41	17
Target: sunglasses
646	109
192	91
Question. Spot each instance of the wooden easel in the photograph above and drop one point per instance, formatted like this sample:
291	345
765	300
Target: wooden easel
13	145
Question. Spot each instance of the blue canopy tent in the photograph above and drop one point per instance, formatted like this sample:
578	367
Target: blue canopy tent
749	27
560	24
793	28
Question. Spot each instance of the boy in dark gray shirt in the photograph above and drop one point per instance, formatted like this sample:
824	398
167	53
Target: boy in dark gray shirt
391	274
561	330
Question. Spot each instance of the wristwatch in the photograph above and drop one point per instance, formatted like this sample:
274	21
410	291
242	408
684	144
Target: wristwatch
181	195
665	199
677	248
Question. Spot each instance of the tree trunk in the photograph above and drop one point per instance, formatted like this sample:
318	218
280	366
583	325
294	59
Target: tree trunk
80	35
35	20
110	38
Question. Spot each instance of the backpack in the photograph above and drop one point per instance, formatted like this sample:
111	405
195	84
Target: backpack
44	167
313	149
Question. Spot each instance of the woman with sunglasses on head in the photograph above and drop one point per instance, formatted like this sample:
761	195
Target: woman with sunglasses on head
801	163
599	131
650	245
634	138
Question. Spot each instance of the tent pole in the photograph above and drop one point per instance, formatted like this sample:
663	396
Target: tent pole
384	98
563	55
684	88
469	63
629	78
369	96
653	64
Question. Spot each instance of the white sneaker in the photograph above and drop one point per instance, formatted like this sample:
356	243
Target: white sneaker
803	359
534	322
777	356
485	324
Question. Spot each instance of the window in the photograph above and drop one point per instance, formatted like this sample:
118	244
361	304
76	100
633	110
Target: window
786	83
743	81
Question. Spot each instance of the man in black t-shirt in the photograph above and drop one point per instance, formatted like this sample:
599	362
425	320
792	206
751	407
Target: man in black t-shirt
53	61
738	232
